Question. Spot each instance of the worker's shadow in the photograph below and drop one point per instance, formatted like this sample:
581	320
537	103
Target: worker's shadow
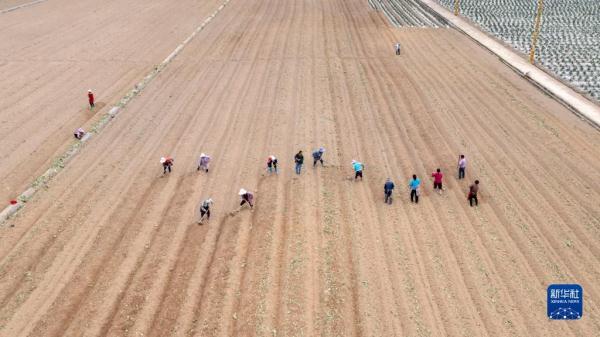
97	107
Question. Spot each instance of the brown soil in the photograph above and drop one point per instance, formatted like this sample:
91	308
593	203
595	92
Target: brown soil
112	247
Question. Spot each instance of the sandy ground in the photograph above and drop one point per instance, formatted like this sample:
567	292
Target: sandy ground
53	52
112	247
11	4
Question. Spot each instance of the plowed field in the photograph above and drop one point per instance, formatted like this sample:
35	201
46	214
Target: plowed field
112	247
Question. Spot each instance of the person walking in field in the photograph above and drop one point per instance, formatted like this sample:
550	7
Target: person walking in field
91	98
299	160
397	47
358	170
167	163
462	166
272	164
203	162
247	197
79	133
414	189
205	210
472	196
437	180
388	188
318	156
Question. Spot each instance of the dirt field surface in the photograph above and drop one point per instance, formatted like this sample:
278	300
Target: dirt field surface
112	247
53	52
9	5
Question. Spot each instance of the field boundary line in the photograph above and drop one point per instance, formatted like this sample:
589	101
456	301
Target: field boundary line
11	9
579	104
61	161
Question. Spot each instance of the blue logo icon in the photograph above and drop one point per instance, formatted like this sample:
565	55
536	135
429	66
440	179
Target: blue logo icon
565	301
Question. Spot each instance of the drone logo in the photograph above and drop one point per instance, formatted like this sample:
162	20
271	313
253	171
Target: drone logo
565	301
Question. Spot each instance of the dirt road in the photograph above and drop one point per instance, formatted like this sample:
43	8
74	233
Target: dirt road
112	247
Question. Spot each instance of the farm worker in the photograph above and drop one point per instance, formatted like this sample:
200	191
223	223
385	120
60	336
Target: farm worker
388	187
318	156
437	179
472	196
205	209
166	163
203	162
358	169
397	46
299	160
462	165
414	189
272	164
247	197
79	133
91	98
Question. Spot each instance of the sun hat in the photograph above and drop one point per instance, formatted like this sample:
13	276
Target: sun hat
321	149
242	191
163	160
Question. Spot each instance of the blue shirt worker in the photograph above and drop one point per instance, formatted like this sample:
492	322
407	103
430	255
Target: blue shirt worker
358	169
388	187
414	189
318	156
